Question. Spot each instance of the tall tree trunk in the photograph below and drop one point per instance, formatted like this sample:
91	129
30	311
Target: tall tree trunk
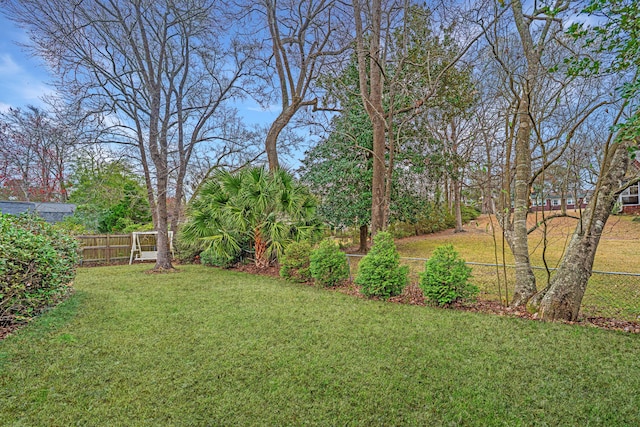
163	260
379	172
364	237
371	86
276	128
563	298
525	286
457	204
158	150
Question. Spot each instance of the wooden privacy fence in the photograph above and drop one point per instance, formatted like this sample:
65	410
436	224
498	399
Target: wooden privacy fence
115	248
105	247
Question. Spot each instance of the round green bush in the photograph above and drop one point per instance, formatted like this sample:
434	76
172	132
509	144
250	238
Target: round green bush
445	277
328	264
295	262
380	273
37	265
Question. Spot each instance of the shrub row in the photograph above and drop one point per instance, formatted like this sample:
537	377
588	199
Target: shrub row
432	220
37	266
444	281
326	265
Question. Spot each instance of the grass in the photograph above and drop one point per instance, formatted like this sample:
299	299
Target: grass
212	347
618	249
607	295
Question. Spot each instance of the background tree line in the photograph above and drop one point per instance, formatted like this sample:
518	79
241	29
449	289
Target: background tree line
415	108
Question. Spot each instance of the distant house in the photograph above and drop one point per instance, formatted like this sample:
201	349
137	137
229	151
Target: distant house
628	199
553	202
629	202
50	212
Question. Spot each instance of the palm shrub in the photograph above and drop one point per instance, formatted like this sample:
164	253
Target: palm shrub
328	264
37	266
445	277
252	212
294	265
380	273
213	259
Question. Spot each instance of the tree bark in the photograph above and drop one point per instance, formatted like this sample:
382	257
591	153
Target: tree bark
371	86
525	286
364	237
457	204
163	260
563	298
274	132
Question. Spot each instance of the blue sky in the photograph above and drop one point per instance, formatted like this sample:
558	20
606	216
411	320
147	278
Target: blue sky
24	81
22	77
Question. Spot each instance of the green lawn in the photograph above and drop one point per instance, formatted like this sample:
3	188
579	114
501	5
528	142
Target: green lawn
211	347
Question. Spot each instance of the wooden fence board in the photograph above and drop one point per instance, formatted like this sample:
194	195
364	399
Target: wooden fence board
104	247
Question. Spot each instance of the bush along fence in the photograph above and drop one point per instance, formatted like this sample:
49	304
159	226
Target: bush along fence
609	294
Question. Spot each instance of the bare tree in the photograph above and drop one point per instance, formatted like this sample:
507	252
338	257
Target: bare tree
301	39
35	155
371	62
153	70
546	108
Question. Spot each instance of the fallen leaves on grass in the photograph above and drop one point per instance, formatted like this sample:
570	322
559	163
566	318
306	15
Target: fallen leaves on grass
5	331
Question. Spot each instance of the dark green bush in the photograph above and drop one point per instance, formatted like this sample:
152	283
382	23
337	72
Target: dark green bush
445	279
469	213
184	252
328	264
37	266
379	272
295	262
210	258
431	219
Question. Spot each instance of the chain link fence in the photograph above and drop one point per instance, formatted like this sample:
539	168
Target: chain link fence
609	294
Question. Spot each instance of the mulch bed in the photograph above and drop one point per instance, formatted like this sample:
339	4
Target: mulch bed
6	330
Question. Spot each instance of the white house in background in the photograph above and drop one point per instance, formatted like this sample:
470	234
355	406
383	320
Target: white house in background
553	202
628	199
629	202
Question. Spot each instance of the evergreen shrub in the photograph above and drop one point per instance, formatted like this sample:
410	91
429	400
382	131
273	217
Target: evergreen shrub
294	265
211	258
328	264
380	273
37	265
445	279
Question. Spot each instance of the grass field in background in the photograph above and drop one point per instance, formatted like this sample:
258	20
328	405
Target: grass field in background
618	249
607	295
213	347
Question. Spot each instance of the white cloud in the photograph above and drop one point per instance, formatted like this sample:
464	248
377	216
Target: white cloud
4	107
8	66
273	108
32	90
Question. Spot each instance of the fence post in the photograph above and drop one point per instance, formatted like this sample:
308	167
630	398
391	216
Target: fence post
108	251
